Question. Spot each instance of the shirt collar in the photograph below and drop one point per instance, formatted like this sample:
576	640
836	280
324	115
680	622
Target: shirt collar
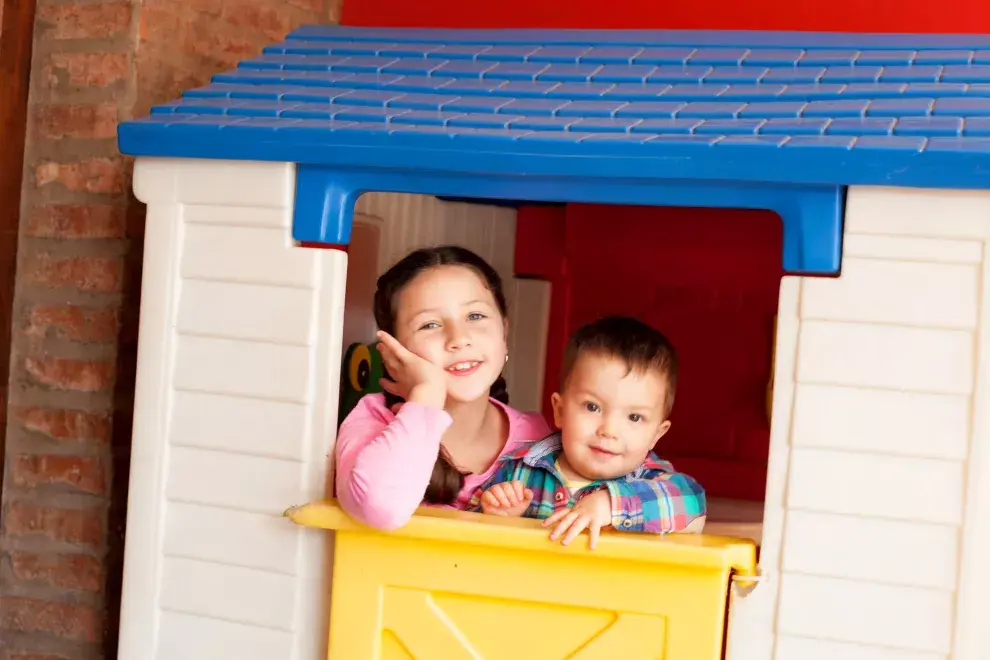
543	454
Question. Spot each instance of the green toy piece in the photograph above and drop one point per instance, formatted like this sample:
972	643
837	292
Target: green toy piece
359	375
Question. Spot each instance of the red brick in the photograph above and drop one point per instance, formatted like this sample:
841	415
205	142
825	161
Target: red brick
67	374
226	44
68	425
98	175
80	572
86	70
75	622
207	7
316	6
162	22
97	122
73	323
78	526
78	221
80	472
257	17
77	20
85	273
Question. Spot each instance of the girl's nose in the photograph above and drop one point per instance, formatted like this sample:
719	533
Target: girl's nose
457	337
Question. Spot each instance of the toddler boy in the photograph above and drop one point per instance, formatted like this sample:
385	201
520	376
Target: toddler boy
617	389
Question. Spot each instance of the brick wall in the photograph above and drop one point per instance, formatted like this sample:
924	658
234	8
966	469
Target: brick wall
75	311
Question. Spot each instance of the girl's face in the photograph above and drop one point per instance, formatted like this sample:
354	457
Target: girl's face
448	316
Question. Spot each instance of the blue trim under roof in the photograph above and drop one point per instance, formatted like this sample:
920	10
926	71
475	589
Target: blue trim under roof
746	119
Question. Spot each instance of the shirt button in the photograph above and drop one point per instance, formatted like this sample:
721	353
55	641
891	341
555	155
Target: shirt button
558	496
627	523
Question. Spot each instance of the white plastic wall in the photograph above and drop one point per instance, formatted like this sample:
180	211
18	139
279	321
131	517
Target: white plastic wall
235	410
877	497
236	400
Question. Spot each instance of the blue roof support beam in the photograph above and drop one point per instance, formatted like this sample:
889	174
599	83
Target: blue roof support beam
812	215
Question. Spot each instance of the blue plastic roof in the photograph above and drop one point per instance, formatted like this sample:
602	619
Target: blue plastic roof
514	109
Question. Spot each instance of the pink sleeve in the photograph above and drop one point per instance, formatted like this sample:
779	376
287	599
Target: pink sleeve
384	461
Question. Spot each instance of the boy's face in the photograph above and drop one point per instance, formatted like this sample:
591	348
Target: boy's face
609	416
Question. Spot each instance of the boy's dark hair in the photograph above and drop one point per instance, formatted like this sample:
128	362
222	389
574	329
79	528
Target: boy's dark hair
446	480
640	346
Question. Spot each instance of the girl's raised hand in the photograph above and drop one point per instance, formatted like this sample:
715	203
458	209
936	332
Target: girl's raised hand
413	378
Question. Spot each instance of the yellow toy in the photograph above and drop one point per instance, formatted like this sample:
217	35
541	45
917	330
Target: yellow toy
453	585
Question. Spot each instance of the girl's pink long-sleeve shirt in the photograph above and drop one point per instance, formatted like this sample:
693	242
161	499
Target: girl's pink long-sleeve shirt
385	460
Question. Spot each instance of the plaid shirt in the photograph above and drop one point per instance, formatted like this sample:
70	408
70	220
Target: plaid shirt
652	498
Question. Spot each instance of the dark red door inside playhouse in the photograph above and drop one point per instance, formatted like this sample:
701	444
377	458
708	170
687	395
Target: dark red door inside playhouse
709	279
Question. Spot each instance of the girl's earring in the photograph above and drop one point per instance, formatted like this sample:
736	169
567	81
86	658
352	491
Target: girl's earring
506	357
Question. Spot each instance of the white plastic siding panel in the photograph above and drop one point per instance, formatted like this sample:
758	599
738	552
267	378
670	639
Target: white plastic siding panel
973	633
257	427
805	648
234	419
228	593
189	637
243	368
912	489
247	311
252	255
886	356
912	249
882	421
238	216
896	292
908	618
235	183
871	549
235	538
885	541
233	481
918	212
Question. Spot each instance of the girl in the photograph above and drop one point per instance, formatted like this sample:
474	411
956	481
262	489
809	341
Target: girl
436	434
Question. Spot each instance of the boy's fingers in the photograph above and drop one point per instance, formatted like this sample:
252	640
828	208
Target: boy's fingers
518	490
593	532
563	525
554	517
580	523
503	500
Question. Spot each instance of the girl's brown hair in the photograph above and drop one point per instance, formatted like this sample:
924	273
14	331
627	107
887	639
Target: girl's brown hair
446	481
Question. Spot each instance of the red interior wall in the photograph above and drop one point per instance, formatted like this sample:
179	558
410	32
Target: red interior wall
709	279
919	16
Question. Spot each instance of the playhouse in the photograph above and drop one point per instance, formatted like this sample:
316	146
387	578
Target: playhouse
806	215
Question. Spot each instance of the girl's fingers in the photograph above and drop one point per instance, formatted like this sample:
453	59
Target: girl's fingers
517	487
389	386
392	345
388	359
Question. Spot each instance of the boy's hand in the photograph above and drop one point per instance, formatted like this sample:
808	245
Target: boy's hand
592	512
506	499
